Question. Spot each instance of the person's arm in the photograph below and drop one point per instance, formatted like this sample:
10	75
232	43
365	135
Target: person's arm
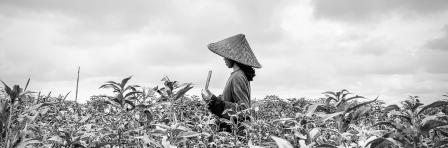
216	106
240	94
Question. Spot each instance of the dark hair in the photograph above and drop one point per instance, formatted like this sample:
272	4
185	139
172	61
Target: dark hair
249	72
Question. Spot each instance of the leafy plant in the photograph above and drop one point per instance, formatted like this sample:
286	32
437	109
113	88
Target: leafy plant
339	112
17	116
165	116
411	123
124	94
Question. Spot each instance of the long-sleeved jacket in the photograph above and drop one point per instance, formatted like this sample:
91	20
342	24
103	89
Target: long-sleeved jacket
236	92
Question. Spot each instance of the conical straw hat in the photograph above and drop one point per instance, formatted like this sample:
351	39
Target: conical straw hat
235	48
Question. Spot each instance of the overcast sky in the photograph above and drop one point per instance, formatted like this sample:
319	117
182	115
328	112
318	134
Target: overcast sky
386	48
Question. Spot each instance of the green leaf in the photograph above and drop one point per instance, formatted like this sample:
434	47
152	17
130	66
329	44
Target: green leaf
132	93
345	94
162	126
394	142
380	143
390	124
130	103
302	144
25	142
182	91
418	104
311	109
37	106
57	139
360	112
343	101
327	146
66	96
166	143
162	95
325	117
180	127
407	104
433	105
283	119
7	89
251	145
48	96
65	135
189	134
298	134
429	124
113	82
124	81
226	121
147	140
360	105
104	144
131	87
85	118
313	132
328	100
113	103
16	90
27	83
407	118
441	143
330	92
391	107
282	143
355	97
113	86
396	113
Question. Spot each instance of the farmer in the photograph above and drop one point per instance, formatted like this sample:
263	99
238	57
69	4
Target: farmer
236	95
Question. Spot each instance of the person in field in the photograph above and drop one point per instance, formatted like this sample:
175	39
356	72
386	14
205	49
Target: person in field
237	55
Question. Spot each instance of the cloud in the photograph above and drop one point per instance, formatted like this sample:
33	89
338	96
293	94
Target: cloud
92	21
440	43
434	51
302	56
434	61
141	27
114	39
364	10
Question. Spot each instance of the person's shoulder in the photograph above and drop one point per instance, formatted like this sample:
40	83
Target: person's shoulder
238	73
238	76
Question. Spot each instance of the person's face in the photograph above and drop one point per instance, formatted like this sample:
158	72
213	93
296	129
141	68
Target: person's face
229	63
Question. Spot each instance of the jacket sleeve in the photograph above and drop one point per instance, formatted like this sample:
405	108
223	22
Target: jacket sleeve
240	93
216	106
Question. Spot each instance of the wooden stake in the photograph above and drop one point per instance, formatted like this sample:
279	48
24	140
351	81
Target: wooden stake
77	83
208	79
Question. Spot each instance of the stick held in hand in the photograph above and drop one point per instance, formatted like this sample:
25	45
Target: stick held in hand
208	79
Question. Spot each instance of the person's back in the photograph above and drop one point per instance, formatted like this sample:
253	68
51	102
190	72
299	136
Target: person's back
236	94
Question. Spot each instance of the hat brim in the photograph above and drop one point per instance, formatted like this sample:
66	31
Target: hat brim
235	48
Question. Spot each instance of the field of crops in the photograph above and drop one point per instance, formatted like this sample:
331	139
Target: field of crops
164	116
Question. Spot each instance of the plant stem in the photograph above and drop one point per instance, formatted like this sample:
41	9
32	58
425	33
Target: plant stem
8	129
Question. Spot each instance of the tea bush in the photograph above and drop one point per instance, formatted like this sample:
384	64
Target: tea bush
164	116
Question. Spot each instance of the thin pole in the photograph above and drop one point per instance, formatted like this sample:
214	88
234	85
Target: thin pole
77	83
208	79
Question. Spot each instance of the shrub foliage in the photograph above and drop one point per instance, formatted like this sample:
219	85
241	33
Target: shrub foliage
164	116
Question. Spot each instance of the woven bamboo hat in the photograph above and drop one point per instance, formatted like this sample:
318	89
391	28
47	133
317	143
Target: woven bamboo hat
235	48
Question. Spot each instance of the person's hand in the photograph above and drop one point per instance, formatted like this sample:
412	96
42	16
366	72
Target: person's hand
206	95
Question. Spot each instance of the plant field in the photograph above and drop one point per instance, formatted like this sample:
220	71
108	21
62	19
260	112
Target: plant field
165	117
